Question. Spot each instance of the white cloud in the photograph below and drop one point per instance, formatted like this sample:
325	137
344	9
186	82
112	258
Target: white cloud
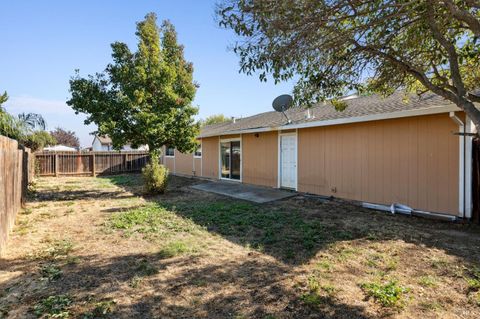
30	104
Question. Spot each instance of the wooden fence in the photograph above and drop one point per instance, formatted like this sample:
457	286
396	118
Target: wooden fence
89	163
16	171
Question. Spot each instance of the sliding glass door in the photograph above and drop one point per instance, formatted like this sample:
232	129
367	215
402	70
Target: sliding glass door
230	159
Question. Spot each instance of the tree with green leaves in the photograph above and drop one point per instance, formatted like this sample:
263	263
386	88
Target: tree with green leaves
10	126
37	140
374	46
65	137
142	97
27	128
215	119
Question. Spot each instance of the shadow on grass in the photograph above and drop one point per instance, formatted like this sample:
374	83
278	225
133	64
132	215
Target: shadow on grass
194	290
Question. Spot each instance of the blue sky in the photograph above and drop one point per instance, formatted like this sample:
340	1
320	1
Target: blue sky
43	42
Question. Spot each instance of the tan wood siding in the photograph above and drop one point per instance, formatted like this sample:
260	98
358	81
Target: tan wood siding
183	163
260	159
414	161
197	166
169	162
210	156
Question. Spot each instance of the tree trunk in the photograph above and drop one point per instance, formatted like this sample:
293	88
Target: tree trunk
472	112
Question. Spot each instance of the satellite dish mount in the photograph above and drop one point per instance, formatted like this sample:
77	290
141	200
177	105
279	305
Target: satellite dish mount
283	103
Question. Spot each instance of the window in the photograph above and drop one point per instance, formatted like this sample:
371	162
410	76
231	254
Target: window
170	151
198	151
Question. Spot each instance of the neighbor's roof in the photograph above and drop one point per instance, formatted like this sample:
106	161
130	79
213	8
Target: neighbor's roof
104	139
60	148
359	109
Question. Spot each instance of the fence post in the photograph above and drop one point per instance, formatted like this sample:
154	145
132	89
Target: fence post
56	165
94	174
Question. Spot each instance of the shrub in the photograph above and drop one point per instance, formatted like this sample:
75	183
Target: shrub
155	177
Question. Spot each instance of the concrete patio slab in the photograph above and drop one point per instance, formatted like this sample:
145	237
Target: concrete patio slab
253	193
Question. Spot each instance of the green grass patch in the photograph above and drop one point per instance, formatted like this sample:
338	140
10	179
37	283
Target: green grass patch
285	233
389	294
121	180
53	307
152	220
177	248
473	279
427	281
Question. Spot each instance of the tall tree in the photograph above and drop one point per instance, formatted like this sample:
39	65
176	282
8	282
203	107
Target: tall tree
143	97
33	120
10	126
366	45
215	119
65	137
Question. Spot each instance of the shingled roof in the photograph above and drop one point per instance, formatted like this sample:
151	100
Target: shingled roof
357	107
105	140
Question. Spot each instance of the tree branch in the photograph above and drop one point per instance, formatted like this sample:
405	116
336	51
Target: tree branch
464	16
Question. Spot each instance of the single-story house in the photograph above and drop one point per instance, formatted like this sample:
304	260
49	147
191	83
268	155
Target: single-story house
104	144
378	150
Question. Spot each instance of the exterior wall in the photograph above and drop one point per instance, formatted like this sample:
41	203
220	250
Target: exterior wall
260	159
183	163
197	166
169	162
99	147
413	161
210	155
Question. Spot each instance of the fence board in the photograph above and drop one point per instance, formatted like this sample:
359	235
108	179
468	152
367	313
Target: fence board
89	163
16	171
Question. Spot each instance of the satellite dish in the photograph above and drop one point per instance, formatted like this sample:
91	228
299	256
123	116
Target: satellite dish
282	103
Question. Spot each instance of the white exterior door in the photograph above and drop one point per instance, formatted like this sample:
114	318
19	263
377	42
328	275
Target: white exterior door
288	161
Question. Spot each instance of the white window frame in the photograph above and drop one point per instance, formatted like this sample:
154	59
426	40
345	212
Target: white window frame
201	152
169	156
236	139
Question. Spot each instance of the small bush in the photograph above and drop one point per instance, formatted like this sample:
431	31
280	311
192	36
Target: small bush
155	177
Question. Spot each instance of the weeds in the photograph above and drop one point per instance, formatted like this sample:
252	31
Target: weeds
50	272
145	268
176	248
473	280
389	294
101	310
318	293
427	281
57	249
151	220
53	307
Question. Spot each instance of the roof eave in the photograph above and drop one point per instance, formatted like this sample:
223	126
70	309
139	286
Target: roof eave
357	119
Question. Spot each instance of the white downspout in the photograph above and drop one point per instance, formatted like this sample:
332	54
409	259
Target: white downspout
461	171
469	128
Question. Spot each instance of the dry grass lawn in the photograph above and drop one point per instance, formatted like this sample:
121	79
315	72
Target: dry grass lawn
96	248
